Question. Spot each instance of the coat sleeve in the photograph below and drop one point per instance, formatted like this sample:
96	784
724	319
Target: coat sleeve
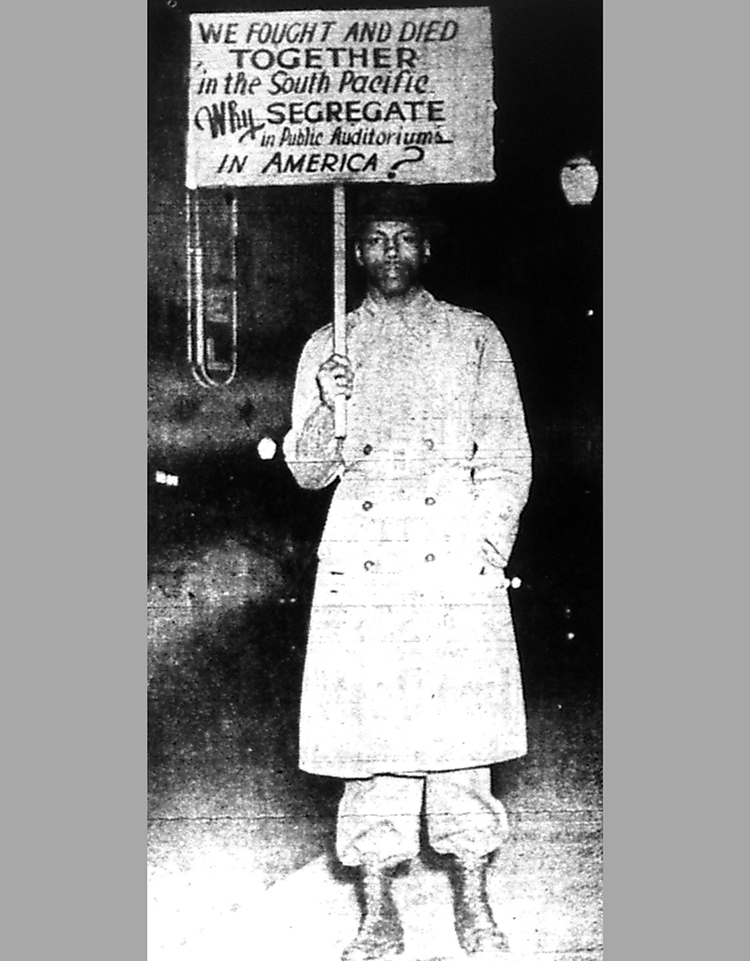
311	449
501	464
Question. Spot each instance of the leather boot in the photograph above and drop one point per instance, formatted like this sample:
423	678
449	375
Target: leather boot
381	935
477	932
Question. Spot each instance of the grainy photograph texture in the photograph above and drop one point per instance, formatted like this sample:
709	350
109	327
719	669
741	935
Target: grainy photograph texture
375	481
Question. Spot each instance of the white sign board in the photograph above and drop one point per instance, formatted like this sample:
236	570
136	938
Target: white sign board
330	97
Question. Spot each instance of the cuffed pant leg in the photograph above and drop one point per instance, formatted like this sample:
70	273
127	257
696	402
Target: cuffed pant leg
463	816
378	820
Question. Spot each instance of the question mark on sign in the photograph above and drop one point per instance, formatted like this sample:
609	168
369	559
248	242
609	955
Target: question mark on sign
407	160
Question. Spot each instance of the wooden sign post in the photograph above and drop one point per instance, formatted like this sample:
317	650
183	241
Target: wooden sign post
339	297
343	96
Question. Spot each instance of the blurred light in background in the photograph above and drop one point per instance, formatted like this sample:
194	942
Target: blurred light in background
579	180
266	448
171	480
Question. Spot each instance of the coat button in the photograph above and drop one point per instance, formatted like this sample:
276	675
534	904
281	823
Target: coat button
429	501
369	565
430	557
367	505
367	449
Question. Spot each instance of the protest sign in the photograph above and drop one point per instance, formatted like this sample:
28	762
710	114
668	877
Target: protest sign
340	96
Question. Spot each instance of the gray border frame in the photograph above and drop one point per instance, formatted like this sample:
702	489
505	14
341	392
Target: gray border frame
75	496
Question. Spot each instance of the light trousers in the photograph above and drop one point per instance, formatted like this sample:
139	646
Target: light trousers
379	817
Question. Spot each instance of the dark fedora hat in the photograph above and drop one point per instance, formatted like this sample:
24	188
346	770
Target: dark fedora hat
394	203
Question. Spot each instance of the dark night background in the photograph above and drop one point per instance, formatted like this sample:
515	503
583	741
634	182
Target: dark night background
231	548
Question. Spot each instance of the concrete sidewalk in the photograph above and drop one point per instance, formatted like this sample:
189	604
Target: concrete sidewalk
545	890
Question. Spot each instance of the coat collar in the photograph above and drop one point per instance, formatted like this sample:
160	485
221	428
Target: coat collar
418	308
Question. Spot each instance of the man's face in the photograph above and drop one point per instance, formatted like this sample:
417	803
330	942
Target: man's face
392	253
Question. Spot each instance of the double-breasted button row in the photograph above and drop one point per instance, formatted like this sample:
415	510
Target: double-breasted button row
429	443
368	565
367	505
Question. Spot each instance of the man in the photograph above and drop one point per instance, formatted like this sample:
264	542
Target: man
412	686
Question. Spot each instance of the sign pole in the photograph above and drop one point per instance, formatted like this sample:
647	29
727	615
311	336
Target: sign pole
339	297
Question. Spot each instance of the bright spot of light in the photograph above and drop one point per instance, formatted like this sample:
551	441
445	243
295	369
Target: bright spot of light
579	180
589	313
171	480
266	448
571	635
515	582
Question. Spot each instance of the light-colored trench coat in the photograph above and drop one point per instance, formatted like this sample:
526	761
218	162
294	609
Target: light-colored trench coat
411	662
